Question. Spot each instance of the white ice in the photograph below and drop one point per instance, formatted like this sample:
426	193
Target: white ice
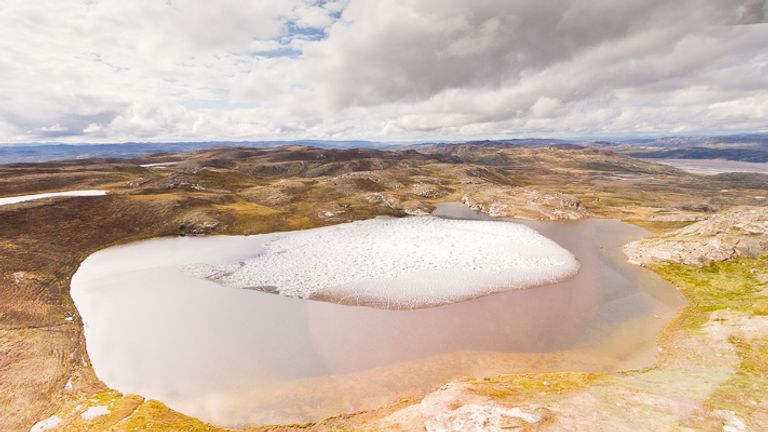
47	424
22	198
400	263
159	164
95	411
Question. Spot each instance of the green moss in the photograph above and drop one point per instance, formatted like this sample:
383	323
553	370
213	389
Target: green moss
747	390
738	285
525	385
659	227
245	209
107	397
733	285
155	416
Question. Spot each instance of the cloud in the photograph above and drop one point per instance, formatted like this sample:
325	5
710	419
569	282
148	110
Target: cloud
110	70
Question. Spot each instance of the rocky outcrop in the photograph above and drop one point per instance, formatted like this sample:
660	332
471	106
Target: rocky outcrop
364	181
488	417
282	192
333	210
409	207
524	203
427	190
455	407
738	232
197	223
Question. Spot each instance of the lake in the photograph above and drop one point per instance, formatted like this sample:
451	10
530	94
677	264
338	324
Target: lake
713	166
235	356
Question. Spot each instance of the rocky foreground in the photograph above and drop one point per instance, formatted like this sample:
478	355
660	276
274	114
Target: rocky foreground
735	233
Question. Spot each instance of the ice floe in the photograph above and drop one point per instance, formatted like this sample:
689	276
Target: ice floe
399	263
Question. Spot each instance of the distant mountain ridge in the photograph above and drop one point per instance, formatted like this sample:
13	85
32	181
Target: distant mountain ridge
742	147
745	148
21	153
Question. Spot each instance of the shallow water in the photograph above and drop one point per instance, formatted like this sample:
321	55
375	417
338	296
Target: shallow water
76	193
235	357
713	166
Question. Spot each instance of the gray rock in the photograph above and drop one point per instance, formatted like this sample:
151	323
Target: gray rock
524	203
738	232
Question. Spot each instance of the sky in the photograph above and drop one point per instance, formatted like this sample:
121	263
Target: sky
398	70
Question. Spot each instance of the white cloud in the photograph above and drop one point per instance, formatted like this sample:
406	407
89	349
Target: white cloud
110	70
311	16
54	128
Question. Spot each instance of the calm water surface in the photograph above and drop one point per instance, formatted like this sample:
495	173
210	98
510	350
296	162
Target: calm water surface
713	166
236	357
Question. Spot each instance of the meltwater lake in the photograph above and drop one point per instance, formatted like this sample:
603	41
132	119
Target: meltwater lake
235	356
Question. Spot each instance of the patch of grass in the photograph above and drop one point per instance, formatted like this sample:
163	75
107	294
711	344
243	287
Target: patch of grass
246	209
171	196
526	385
249	218
106	397
299	223
733	285
739	285
659	227
747	390
154	416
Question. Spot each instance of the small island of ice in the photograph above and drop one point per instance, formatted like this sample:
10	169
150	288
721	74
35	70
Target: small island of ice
400	263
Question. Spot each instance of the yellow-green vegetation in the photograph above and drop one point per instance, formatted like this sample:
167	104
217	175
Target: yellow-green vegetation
659	227
247	217
714	360
154	416
244	209
520	386
738	285
747	390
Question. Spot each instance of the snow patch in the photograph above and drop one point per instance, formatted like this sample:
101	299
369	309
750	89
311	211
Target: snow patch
95	411
18	276
159	164
47	424
399	263
23	198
